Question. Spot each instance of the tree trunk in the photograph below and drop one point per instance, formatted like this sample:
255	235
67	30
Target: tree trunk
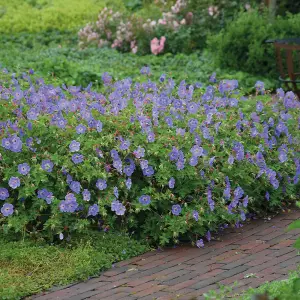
272	9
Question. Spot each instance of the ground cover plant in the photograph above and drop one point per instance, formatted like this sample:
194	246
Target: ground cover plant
163	162
72	67
28	267
275	290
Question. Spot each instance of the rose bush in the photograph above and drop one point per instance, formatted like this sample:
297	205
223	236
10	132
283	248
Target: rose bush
163	162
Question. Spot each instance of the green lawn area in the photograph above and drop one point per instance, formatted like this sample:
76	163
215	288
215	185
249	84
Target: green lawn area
28	267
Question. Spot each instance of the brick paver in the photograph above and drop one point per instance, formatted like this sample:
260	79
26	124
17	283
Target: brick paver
260	251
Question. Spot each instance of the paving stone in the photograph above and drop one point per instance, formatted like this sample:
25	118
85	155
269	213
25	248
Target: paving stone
261	247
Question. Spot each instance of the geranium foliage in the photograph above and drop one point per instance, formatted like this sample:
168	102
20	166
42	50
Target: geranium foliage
162	161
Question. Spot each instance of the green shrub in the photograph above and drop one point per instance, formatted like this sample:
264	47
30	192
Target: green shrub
207	23
241	45
41	15
241	153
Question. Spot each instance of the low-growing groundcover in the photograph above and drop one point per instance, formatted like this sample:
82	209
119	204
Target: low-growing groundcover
54	56
163	162
27	267
288	289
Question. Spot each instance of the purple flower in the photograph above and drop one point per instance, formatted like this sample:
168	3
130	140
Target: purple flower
145	200
226	192
118	208
106	78
227	86
196	151
80	129
180	164
139	152
211	161
243	216
145	70
180	131
282	156
171	183
259	106
128	183
69	204
210	201
144	164
260	86
32	114
169	121
129	169
86	195
14	182
176	209
7	209
74	146
193	161
117	163
200	243
23	169
149	171
77	158
192	107
61	236
212	78
101	184
124	145
75	186
4	194
245	201
116	192
99	126
173	155
267	196
93	210
238	193
45	195
195	215
47	165
13	144
208	236
162	78
151	137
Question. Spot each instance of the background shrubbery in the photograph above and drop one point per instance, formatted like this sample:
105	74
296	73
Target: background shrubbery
241	45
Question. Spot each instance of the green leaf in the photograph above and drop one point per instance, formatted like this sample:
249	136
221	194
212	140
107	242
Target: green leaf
296	285
294	225
297	244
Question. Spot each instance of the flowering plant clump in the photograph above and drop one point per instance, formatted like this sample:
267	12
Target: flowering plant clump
163	161
126	33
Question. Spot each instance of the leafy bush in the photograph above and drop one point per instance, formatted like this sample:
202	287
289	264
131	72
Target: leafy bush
241	45
211	16
164	163
28	267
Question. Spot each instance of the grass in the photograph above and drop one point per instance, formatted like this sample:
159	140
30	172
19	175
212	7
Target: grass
29	267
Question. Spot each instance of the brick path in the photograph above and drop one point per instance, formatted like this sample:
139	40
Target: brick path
261	248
